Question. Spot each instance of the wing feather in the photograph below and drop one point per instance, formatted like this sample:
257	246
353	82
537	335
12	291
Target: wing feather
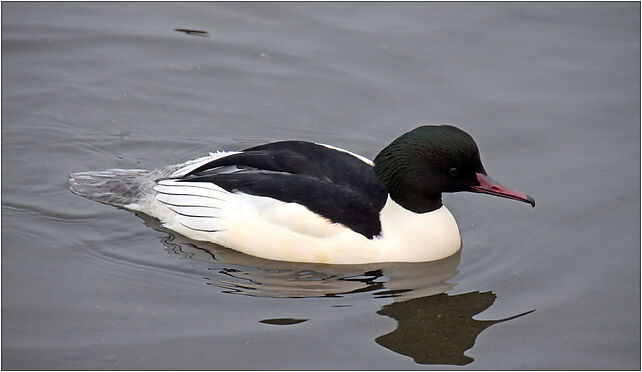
196	206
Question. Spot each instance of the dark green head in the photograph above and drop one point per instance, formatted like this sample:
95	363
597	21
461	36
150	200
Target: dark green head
421	164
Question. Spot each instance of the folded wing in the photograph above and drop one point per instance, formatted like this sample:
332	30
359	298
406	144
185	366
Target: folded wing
330	182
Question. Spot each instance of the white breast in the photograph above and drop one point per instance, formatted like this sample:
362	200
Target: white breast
417	237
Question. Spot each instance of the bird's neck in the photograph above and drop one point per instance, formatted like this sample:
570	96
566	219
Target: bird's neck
416	201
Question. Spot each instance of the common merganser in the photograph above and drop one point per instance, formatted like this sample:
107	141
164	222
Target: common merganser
307	202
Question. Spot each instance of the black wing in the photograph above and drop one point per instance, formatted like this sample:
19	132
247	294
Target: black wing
331	183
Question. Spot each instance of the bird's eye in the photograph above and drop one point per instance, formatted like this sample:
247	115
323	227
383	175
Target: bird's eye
453	171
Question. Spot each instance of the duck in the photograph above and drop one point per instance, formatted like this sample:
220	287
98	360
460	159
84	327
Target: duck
301	201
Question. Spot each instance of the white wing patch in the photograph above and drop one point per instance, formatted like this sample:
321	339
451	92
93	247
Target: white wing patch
191	165
196	205
360	157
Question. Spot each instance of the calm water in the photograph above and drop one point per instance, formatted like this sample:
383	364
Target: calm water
550	91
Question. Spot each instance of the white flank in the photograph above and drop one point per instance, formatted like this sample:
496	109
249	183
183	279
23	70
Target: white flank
271	229
290	232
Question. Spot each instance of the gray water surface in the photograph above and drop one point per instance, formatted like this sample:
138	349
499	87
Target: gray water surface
550	92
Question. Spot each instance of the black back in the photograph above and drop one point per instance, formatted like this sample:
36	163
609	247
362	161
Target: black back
331	183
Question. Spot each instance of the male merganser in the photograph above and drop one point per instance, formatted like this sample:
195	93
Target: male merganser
306	202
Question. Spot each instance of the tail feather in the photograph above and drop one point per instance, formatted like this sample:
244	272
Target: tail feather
117	187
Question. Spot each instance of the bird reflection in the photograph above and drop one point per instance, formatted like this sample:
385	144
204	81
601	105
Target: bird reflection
433	326
438	329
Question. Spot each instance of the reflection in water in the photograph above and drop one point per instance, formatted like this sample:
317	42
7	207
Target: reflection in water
433	327
238	273
282	321
439	328
192	32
